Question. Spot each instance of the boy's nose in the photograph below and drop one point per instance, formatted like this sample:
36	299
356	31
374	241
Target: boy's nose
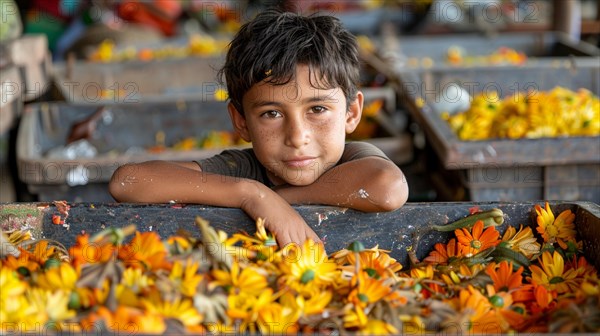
297	133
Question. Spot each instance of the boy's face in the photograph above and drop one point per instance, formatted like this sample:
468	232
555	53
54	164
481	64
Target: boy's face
297	131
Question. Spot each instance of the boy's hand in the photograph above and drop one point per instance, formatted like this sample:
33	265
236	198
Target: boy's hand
280	218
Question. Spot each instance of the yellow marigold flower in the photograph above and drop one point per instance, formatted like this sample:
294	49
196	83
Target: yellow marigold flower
355	317
250	280
308	266
375	261
552	273
277	319
62	277
262	245
315	304
185	277
134	284
477	240
521	241
178	245
378	327
10	283
423	272
51	306
136	280
179	309
559	229
245	308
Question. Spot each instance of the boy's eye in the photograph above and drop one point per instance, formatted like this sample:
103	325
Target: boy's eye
271	114
318	109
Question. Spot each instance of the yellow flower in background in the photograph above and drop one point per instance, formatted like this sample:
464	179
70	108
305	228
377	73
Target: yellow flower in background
221	95
250	280
178	245
185	277
375	261
136	280
355	317
51	306
277	319
552	230
378	327
262	245
245	308
179	309
522	241
62	277
315	304
10	283
551	273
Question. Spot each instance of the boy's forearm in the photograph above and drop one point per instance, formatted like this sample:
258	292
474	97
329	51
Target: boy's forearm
368	184
164	182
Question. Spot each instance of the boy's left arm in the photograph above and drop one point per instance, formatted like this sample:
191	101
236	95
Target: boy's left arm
370	184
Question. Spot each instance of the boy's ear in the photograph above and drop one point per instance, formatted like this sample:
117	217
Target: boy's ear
239	122
354	113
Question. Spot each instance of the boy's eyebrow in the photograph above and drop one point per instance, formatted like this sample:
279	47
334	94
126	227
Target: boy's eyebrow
314	99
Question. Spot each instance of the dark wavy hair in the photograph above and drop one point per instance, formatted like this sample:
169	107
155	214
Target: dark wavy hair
275	42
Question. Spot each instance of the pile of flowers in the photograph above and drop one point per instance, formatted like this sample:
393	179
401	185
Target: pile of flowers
535	114
480	281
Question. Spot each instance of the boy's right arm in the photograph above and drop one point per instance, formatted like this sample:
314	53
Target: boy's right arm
184	182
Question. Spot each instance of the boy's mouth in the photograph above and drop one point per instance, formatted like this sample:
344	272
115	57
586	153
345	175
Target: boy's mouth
300	161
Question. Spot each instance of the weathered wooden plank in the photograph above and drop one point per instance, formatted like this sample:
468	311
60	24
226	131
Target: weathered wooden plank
397	231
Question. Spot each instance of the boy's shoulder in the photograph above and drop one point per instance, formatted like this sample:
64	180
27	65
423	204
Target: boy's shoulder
355	150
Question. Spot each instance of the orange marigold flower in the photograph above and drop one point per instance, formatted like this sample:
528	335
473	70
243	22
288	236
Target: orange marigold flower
583	268
367	290
24	263
482	318
145	250
553	229
443	254
477	240
503	277
86	252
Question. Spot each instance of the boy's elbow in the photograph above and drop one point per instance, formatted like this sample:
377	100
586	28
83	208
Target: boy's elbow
118	186
393	191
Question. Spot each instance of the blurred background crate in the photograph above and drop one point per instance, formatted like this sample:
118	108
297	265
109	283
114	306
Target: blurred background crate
469	50
566	168
138	81
30	54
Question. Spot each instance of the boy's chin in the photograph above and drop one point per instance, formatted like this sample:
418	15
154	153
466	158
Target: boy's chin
300	182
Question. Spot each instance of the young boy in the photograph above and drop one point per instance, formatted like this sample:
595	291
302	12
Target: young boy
293	91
